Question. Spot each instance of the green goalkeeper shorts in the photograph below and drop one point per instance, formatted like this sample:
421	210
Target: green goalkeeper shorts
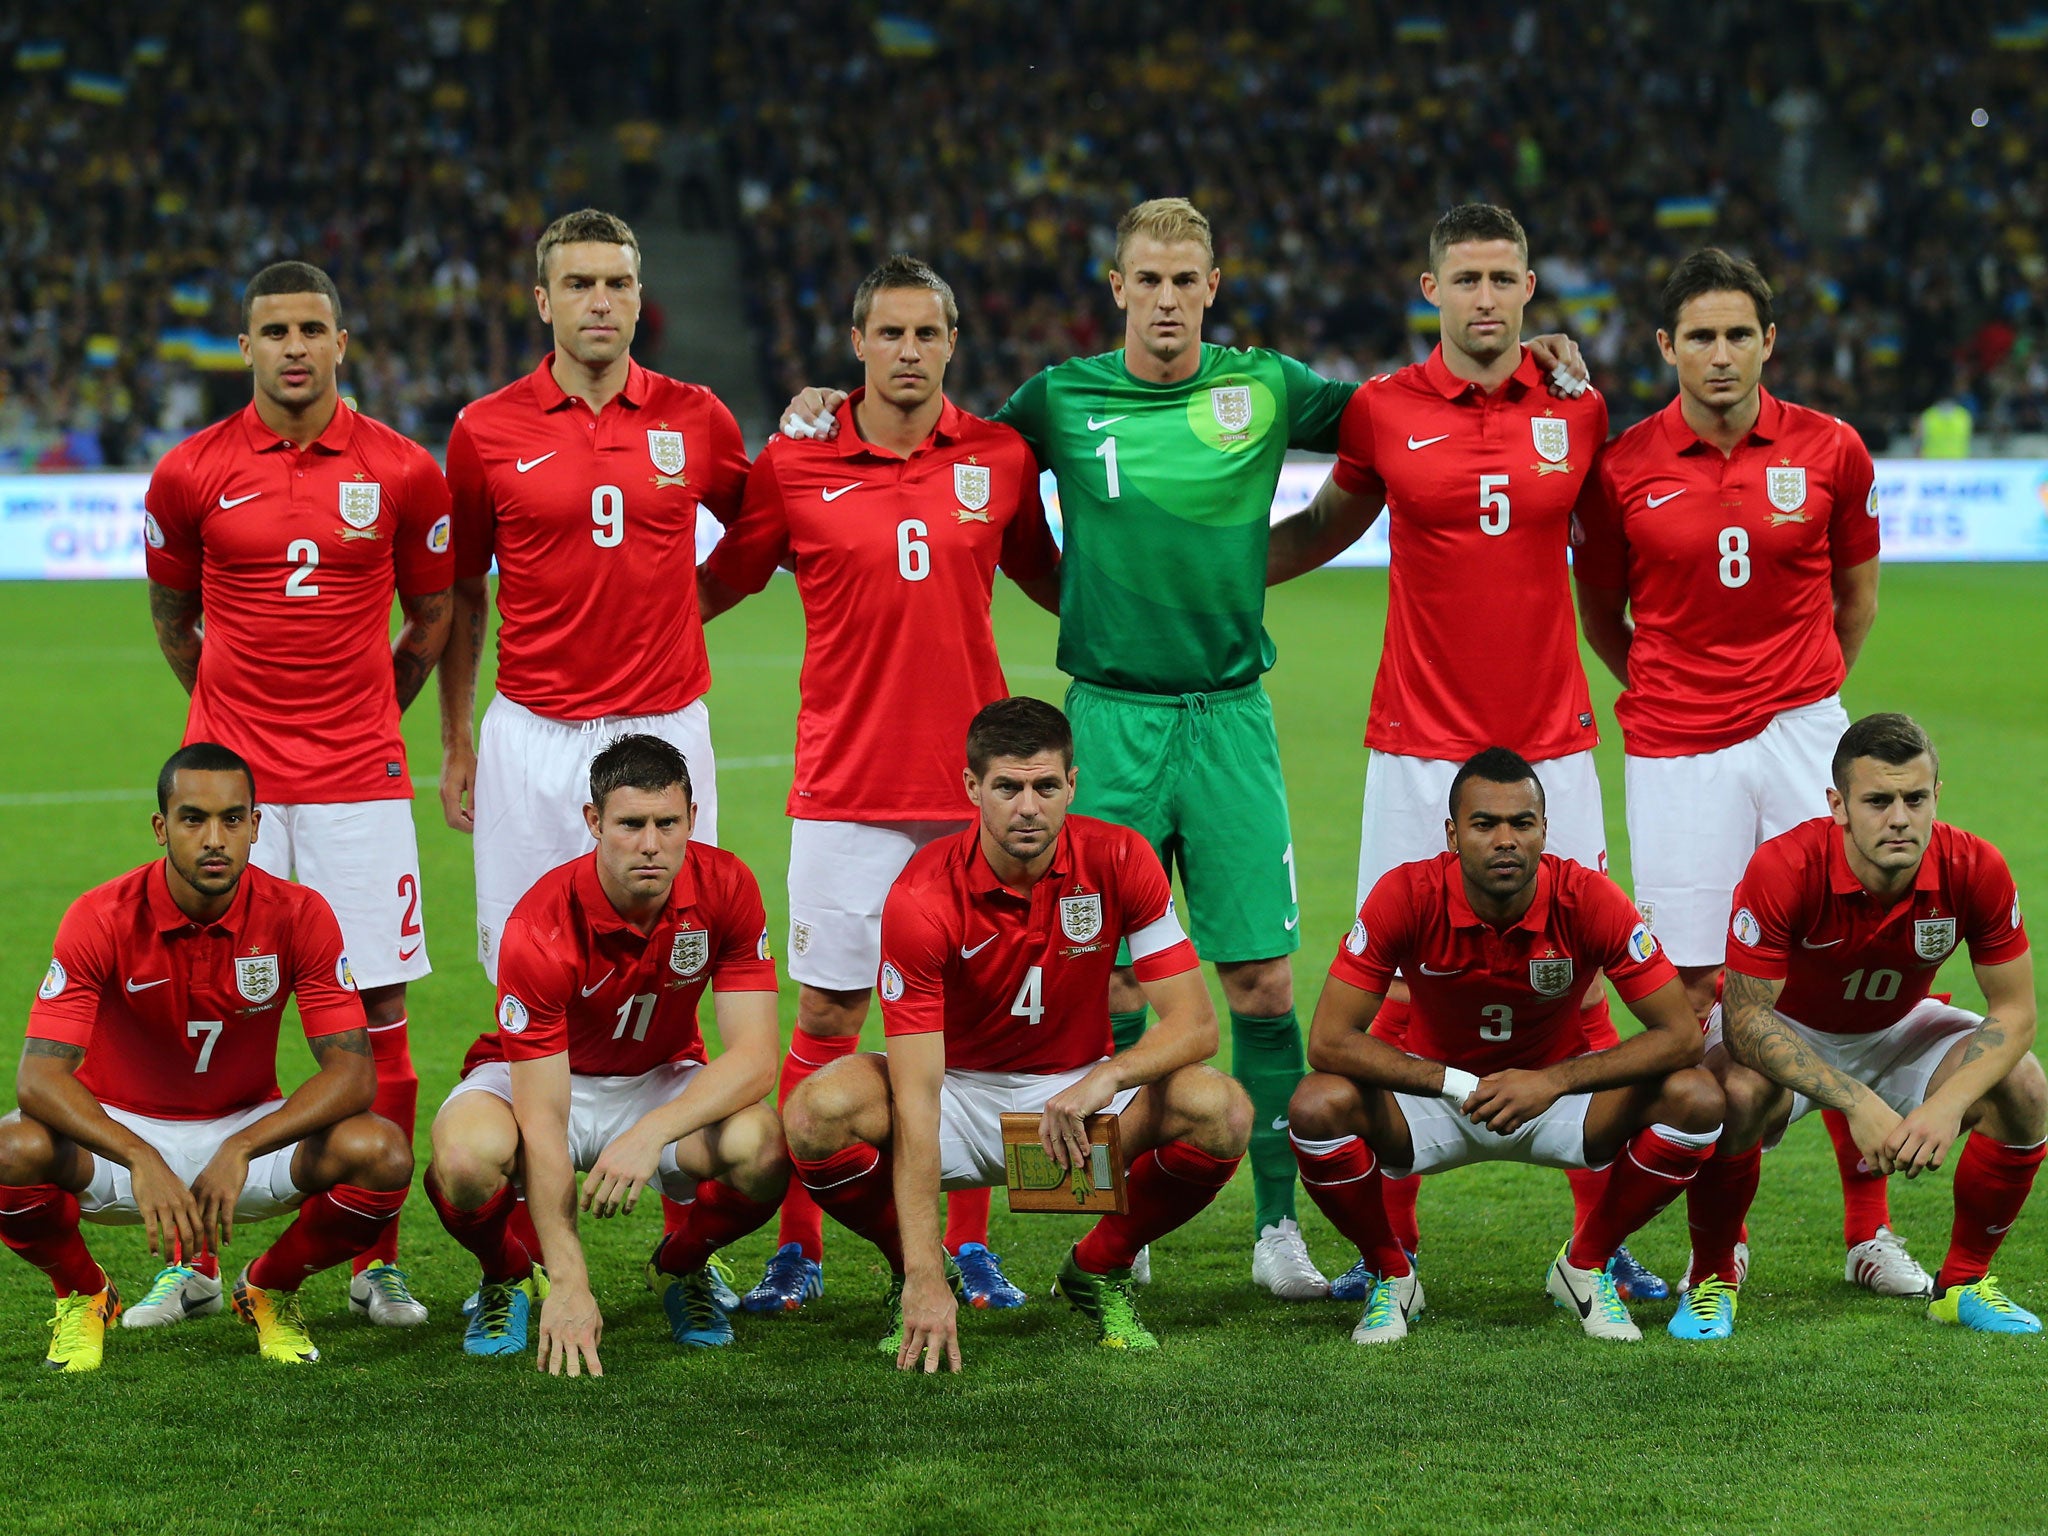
1199	775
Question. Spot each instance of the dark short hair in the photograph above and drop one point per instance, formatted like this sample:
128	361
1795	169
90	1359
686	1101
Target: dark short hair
289	277
1713	271
1892	739
585	224
1496	765
1017	727
902	271
638	761
1475	221
201	757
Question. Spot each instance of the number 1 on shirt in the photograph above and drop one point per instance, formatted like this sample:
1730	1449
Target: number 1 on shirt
1106	451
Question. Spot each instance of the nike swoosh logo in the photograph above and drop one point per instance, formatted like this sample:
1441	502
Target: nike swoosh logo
1428	971
969	954
225	503
144	986
1658	501
1809	944
607	976
1583	1303
1280	1122
1994	1231
1292	923
1415	443
835	495
406	954
1107	421
524	465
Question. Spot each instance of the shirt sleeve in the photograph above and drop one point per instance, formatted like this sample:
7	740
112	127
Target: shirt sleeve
1356	473
1853	534
1025	411
67	1004
757	540
744	962
1629	953
1028	549
1159	948
914	952
1379	942
321	980
1993	926
170	532
1599	549
469	492
425	554
1315	405
1766	915
533	995
725	476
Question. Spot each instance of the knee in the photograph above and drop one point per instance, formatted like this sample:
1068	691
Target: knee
372	1152
757	1162
1317	1110
1747	1098
465	1179
816	1118
1215	1109
2022	1098
1693	1101
384	1006
1260	989
28	1152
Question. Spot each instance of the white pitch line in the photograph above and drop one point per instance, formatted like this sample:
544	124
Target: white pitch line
119	796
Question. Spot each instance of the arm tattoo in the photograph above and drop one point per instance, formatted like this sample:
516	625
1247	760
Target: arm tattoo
355	1041
413	655
1759	1039
176	617
1990	1036
57	1049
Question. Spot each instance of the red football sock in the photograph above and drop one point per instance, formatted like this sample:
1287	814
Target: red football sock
1165	1188
802	1223
966	1218
856	1187
207	1264
1991	1184
490	1232
1717	1210
1587	1186
1401	1195
334	1225
675	1215
1648	1176
719	1215
1348	1187
1866	1205
40	1222
398	1100
519	1225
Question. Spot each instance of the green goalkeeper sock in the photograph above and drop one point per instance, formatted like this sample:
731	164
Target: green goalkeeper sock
1125	1028
1266	1056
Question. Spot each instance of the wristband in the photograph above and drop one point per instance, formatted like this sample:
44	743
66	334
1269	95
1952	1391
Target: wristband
1459	1085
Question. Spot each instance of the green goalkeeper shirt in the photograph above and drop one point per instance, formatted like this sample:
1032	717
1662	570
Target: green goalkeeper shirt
1166	491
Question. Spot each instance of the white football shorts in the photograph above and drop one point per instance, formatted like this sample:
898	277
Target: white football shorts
1694	821
1444	1138
971	1110
1896	1063
1408	798
839	876
188	1146
600	1108
532	782
364	857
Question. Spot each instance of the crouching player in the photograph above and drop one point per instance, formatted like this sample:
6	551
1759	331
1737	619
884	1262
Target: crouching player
598	1066
997	946
1840	926
1495	937
148	1086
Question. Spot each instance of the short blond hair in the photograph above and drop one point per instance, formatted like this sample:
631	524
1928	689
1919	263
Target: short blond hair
584	225
1169	220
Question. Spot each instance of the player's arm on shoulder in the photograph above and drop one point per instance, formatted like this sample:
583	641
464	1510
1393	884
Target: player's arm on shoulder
755	542
1600	570
1341	510
1562	362
1030	557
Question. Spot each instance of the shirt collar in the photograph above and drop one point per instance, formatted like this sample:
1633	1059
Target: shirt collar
1843	881
1446	383
1769	427
333	440
604	917
982	880
1536	919
166	916
553	397
853	446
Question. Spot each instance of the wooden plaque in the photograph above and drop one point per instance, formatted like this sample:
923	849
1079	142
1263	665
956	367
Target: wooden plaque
1036	1183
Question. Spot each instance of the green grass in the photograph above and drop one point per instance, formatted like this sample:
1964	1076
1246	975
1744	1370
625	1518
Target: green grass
1830	1410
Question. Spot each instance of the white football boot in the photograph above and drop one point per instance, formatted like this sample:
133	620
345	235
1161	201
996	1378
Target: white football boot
1591	1296
1280	1264
382	1294
178	1294
1141	1266
1882	1265
1388	1310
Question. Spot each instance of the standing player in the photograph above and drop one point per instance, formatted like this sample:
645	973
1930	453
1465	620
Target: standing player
1478	465
1840	926
582	482
997	947
285	529
895	529
1496	937
148	1086
1727	574
598	1065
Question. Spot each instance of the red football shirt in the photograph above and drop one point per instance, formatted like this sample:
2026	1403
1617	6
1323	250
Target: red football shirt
1728	564
1020	983
179	1020
295	557
1486	999
895	561
1481	649
574	975
1852	964
593	522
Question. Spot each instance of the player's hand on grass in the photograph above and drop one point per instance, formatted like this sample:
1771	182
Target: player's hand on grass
1559	356
809	413
1504	1102
216	1190
1063	1124
931	1325
1919	1141
458	787
622	1170
169	1211
570	1326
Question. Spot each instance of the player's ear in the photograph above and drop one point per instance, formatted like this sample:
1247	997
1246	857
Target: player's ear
1428	284
161	828
255	821
967	774
1116	288
860	351
340	345
1450	835
1770	340
595	821
1529	285
693	818
1838	807
1664	346
540	302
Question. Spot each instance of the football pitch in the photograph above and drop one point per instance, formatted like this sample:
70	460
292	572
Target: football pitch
1830	1410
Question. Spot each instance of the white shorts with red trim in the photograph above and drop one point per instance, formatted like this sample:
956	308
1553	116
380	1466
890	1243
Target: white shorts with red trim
1693	822
532	782
188	1146
839	877
364	857
601	1109
971	1110
1444	1138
